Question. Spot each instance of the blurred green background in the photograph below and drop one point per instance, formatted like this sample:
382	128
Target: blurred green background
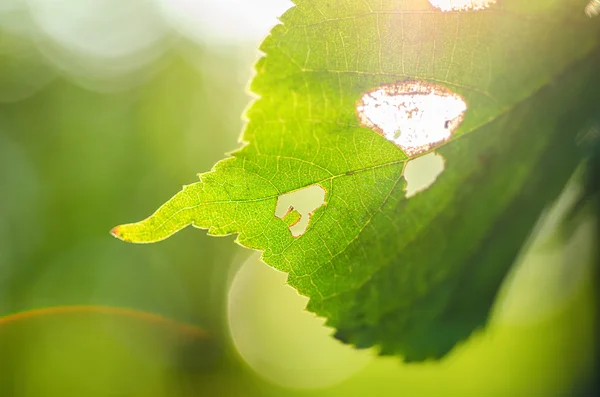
107	107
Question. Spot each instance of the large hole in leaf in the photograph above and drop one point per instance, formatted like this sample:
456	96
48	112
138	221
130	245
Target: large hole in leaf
462	5
416	116
296	208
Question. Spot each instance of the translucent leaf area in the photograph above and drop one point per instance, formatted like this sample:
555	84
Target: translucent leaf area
502	90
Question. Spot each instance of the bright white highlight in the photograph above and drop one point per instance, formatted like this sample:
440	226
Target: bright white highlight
593	8
224	20
420	173
416	116
305	201
462	5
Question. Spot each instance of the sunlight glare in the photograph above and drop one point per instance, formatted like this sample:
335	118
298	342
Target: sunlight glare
462	5
224	20
593	8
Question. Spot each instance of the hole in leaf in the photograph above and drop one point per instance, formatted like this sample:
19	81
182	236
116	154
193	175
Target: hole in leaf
593	8
462	5
416	116
422	172
296	208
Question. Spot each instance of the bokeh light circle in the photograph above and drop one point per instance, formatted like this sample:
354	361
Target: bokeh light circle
281	341
102	28
103	45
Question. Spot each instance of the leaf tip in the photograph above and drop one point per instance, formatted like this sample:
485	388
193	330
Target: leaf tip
117	232
125	233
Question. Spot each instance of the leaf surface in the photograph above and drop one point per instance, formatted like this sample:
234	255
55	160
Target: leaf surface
413	276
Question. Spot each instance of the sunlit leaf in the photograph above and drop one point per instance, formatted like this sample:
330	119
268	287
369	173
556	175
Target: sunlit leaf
350	91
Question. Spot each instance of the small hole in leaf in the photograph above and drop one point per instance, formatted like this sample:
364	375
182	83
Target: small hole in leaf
416	116
422	172
462	5
296	208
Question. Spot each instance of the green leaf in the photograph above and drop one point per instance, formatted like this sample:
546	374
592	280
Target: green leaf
414	276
